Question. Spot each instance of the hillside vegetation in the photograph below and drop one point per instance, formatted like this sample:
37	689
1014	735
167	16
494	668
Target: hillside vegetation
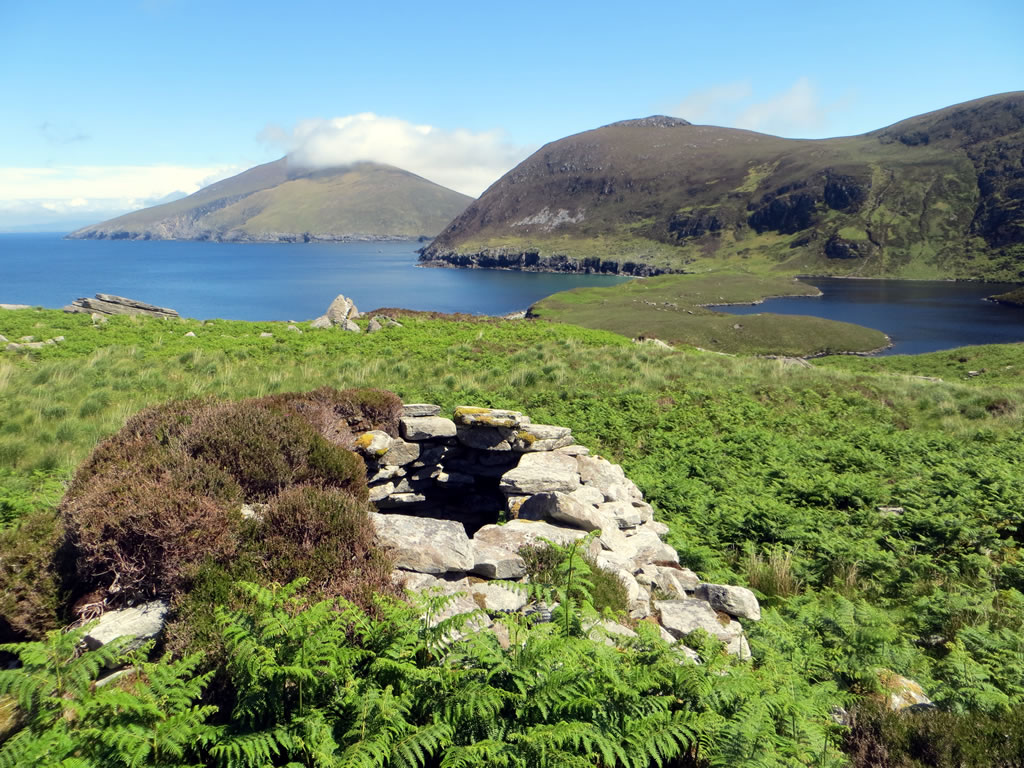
877	515
935	196
278	201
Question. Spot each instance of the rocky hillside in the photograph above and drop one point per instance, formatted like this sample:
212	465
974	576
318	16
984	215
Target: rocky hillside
939	195
279	202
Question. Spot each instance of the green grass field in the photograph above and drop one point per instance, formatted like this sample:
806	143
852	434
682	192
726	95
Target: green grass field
768	474
673	308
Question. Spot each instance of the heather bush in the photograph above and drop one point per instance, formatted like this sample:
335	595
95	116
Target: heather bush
266	449
142	535
30	585
338	414
932	738
159	503
324	535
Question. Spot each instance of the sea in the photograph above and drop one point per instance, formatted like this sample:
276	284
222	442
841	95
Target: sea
297	281
261	281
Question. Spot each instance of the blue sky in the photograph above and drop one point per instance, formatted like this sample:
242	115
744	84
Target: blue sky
109	106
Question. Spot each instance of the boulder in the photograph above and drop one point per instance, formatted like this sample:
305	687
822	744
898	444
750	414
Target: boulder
293	328
374	325
519	533
107	304
421	409
485	438
374	443
539	472
340	310
190	335
352	326
321	322
469	415
608	632
513	504
646	548
381	491
600	473
588	494
658	527
401	453
541	437
496	563
574	450
144	622
495	598
736	601
640	607
419	428
425	545
901	692
400	498
385	472
421	582
682	616
563	508
624	514
266	335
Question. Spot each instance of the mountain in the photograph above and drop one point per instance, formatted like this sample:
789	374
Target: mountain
277	201
936	196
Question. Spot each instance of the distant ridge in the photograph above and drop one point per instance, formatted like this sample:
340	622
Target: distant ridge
280	202
940	195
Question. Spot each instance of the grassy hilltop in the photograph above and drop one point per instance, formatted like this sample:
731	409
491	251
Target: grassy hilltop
934	196
278	201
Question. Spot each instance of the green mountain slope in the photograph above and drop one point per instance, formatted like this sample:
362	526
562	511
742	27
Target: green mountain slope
939	195
278	202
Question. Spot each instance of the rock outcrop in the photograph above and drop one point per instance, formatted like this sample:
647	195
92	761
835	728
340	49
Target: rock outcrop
108	304
459	498
342	313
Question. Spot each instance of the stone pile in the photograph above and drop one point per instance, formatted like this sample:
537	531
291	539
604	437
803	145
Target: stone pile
108	304
443	487
443	490
29	342
342	313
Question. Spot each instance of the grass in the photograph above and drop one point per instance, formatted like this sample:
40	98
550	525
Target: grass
1014	297
737	454
672	308
987	364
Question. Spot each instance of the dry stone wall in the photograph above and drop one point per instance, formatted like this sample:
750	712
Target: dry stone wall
458	497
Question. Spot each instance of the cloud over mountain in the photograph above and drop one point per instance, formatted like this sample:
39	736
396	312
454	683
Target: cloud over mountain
462	160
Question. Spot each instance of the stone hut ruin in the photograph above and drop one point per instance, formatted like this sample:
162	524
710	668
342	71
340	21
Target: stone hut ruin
443	488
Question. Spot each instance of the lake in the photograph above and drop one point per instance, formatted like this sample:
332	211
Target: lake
261	281
919	315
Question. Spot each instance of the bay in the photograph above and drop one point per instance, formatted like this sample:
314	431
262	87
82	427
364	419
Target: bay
261	281
918	315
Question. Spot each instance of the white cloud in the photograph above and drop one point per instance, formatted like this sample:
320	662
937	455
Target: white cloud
104	182
62	195
715	105
796	112
462	160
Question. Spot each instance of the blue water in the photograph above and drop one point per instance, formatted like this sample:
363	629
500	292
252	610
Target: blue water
278	281
918	315
260	281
